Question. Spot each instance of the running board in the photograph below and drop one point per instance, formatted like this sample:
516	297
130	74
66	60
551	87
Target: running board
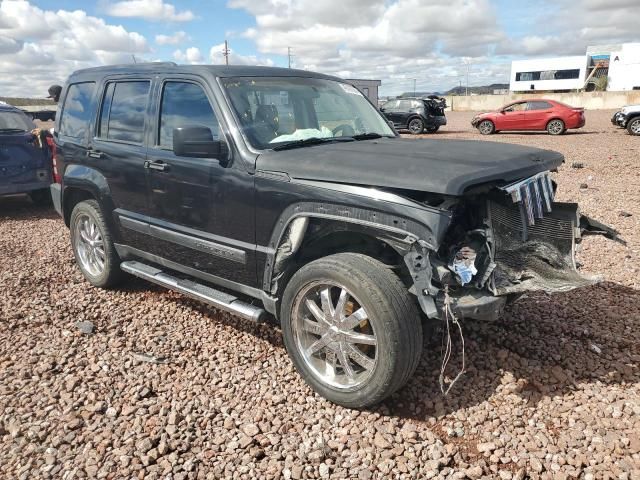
194	290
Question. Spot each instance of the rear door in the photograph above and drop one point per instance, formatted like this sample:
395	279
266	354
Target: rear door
512	117
23	162
118	150
537	114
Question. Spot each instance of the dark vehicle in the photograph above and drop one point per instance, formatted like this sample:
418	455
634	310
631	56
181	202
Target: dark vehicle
274	190
628	117
416	114
25	161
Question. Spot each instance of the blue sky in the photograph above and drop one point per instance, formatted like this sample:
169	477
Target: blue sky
395	41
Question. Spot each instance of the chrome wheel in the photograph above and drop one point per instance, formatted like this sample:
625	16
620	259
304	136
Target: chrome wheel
485	127
555	127
334	335
415	126
634	127
89	245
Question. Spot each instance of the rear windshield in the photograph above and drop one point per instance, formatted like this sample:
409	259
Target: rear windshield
12	121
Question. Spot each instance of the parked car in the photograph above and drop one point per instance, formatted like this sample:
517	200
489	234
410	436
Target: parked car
628	117
539	114
416	114
259	189
25	159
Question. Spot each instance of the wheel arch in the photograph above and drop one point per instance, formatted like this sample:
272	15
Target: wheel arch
308	234
82	183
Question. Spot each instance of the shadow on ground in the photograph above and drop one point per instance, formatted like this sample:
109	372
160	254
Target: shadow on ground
20	207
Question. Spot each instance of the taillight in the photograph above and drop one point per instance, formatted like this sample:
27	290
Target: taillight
54	160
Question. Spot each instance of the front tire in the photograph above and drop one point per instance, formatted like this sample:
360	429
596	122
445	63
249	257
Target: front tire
92	245
633	127
486	127
351	328
555	127
416	126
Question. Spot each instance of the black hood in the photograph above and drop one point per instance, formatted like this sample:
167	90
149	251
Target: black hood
446	167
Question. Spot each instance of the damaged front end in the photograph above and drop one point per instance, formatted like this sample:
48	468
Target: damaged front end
504	242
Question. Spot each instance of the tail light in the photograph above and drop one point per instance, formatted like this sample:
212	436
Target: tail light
54	160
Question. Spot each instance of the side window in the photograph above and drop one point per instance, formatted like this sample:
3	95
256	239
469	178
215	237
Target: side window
124	111
517	107
405	105
76	111
184	104
538	106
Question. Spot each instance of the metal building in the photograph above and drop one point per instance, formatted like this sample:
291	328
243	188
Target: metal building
368	87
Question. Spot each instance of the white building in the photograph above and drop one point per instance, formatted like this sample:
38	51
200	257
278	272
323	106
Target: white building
560	73
619	63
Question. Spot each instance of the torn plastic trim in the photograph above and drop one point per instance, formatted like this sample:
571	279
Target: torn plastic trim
420	268
291	242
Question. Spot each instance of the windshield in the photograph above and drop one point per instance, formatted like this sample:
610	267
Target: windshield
274	111
10	120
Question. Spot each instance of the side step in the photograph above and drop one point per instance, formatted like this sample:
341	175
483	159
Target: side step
194	290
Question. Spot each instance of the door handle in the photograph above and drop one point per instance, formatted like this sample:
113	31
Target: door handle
95	154
158	165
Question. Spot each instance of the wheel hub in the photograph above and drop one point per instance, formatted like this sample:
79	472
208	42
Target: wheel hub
89	245
334	335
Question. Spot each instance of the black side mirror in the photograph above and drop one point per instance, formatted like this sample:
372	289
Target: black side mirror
197	141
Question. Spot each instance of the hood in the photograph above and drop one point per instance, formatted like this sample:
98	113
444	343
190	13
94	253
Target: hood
447	167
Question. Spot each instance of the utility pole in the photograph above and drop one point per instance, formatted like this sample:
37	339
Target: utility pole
226	52
134	58
414	87
467	90
289	55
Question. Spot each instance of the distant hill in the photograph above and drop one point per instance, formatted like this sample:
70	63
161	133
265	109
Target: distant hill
19	102
483	90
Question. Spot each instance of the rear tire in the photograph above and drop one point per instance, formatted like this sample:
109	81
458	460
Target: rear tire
486	127
416	126
384	323
633	127
556	127
41	197
92	245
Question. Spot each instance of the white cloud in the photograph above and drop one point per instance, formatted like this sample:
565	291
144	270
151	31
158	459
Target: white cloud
175	39
42	47
398	40
217	58
190	55
148	9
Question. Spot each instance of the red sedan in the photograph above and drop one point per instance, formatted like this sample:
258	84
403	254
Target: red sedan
539	114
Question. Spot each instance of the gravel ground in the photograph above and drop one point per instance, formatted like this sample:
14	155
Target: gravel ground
164	387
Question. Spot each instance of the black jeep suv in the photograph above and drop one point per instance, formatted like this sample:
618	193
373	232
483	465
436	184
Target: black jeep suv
274	190
416	114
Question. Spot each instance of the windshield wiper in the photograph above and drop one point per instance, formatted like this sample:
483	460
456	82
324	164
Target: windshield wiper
366	136
12	130
311	141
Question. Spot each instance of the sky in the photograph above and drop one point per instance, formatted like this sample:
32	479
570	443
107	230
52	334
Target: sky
435	42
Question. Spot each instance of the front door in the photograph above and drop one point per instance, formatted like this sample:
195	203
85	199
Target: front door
512	117
119	152
202	210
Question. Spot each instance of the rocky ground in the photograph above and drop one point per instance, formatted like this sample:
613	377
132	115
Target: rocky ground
140	382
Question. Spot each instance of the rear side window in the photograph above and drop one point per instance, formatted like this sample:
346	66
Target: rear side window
76	111
184	104
123	111
539	106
